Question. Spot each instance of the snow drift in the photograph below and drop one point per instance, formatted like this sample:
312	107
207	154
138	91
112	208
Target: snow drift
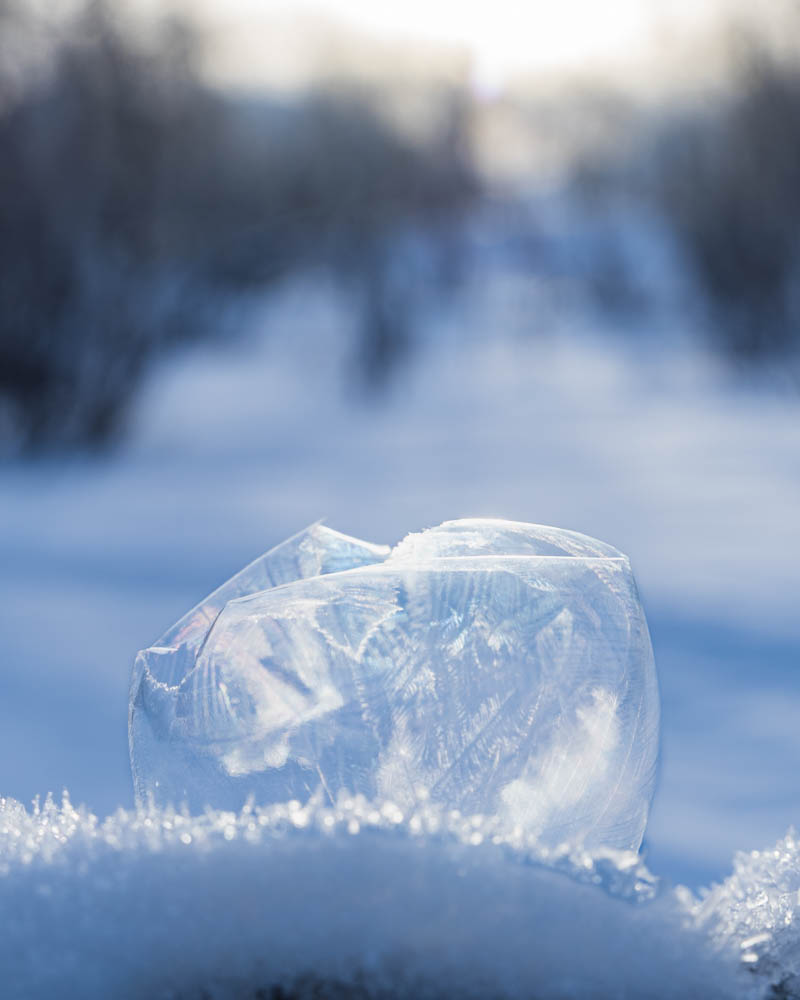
158	903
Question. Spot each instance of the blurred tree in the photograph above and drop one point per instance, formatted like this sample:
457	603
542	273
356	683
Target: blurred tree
83	289
729	182
135	202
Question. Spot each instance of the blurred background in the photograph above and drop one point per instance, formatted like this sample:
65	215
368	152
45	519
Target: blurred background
263	263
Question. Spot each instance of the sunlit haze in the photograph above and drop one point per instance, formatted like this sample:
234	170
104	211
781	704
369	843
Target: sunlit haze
504	39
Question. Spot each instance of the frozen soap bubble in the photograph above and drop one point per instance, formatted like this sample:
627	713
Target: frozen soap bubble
494	667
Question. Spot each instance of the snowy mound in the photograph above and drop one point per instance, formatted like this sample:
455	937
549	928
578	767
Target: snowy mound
363	900
759	908
497	668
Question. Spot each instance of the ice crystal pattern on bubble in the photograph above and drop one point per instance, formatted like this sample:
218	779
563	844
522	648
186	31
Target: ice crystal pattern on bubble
493	667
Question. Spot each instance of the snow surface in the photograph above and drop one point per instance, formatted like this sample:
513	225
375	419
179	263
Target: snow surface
758	906
161	904
510	409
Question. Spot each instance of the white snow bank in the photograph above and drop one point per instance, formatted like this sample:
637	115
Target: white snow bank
162	904
758	907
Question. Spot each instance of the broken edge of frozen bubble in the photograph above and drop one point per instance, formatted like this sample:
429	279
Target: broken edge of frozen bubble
494	667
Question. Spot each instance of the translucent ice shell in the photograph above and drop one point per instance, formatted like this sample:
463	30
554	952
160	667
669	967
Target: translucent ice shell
491	666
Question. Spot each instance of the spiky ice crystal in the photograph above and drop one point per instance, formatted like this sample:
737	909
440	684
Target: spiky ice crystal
492	667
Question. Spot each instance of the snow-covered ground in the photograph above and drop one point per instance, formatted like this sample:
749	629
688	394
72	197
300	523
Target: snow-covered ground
511	409
360	900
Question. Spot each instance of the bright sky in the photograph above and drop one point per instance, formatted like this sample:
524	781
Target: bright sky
508	34
505	36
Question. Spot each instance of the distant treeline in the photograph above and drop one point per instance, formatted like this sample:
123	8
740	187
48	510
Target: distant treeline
722	172
728	181
135	202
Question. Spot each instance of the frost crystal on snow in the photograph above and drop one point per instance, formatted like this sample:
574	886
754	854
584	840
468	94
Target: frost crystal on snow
757	909
491	667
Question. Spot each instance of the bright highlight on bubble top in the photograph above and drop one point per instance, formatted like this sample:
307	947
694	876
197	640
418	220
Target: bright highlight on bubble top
493	667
